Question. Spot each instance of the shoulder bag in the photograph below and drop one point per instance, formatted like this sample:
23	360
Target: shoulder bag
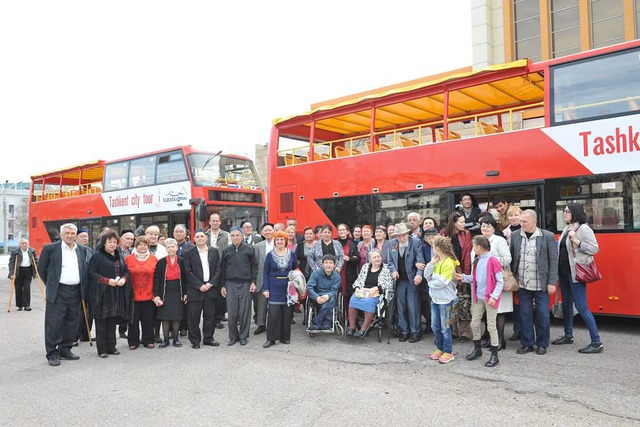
585	273
510	283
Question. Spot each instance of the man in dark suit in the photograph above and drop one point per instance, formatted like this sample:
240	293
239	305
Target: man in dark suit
406	261
63	267
23	262
203	272
249	237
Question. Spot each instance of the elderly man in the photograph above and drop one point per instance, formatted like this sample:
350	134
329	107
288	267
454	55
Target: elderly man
238	273
406	261
248	235
126	242
23	264
63	268
180	234
415	225
534	262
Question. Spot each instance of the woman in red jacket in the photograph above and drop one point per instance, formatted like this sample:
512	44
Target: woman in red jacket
142	266
461	242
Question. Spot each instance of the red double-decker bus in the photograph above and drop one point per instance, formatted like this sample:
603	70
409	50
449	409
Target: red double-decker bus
180	185
540	134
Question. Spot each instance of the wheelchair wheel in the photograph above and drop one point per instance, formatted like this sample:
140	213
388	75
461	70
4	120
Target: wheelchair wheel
339	331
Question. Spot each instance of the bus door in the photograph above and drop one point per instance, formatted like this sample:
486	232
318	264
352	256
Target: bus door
287	196
524	196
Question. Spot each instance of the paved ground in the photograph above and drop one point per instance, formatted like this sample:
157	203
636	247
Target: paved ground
320	381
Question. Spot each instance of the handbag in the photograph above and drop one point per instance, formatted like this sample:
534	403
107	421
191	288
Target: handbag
510	283
586	273
556	309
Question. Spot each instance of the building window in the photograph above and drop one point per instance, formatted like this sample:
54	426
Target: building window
607	23
526	22
637	9
565	27
11	209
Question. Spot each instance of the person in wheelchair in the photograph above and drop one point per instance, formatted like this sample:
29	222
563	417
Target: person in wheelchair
373	280
322	288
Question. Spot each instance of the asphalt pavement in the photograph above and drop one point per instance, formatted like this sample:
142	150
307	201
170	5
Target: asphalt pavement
315	381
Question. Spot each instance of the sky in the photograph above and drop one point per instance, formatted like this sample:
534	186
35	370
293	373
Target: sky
88	80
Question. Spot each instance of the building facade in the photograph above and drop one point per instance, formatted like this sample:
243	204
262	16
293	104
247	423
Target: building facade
15	211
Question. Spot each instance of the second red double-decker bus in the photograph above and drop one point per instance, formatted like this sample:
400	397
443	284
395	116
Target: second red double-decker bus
541	135
180	185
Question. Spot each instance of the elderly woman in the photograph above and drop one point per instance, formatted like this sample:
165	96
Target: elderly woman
373	280
325	245
169	290
577	244
112	294
277	265
141	266
351	259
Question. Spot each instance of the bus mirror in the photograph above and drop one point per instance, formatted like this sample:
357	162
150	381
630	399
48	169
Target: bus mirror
201	212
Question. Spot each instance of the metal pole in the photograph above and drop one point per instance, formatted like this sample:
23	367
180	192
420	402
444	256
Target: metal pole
4	216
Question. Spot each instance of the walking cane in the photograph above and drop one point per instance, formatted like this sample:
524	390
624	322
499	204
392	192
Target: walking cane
86	321
13	285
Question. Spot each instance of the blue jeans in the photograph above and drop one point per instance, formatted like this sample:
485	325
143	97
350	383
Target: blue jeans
576	293
324	318
441	318
409	300
542	321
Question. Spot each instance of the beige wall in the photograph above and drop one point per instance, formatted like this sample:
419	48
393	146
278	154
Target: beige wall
487	33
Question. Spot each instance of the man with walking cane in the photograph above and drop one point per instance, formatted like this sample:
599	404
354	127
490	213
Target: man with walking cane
23	264
63	268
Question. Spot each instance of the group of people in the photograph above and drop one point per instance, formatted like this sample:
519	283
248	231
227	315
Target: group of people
451	277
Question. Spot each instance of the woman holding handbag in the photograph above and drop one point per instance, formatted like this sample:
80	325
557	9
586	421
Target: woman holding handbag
577	245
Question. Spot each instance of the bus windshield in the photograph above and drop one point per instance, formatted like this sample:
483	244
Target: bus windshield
209	170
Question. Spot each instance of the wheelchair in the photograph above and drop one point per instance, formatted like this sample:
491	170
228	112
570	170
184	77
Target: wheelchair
384	310
337	327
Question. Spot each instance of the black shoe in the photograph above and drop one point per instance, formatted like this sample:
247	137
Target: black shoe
124	335
75	343
259	330
351	332
362	333
115	352
177	343
284	341
20	309
493	360
515	336
103	355
232	342
563	340
464	339
183	332
53	361
268	344
524	349
541	351
415	338
477	351
156	339
592	349
68	355
164	344
219	326
503	345
403	338
293	322
243	342
27	309
196	346
212	343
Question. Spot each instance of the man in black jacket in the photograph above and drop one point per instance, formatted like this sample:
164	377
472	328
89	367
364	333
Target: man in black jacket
203	273
23	262
63	267
238	273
